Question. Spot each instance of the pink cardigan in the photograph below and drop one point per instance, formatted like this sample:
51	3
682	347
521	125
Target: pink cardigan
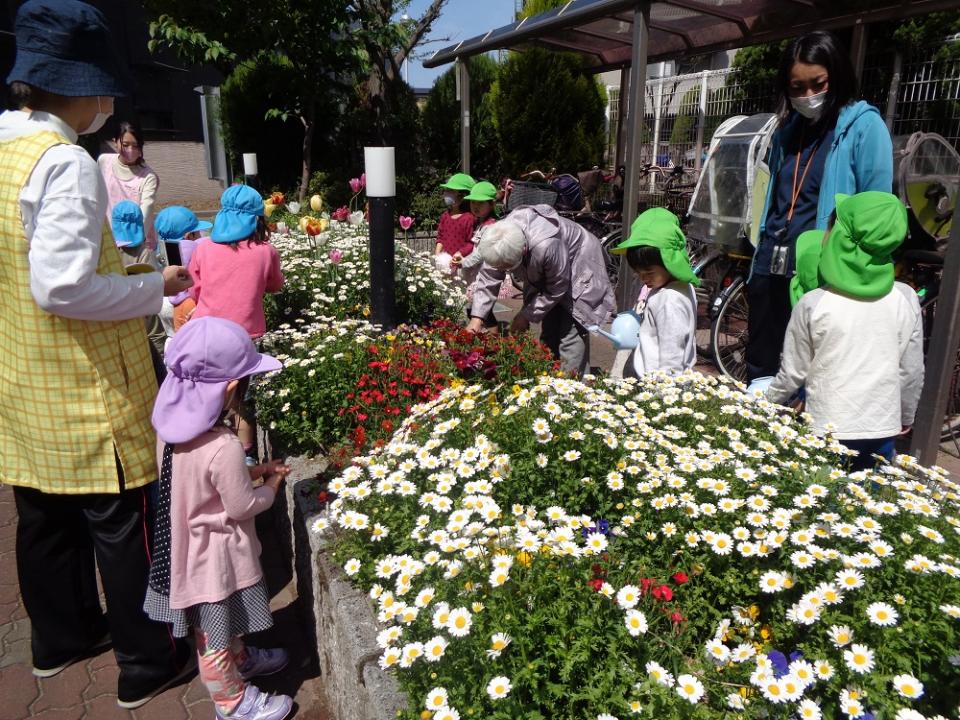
214	550
229	281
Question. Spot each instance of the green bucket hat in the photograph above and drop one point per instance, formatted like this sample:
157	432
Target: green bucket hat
807	277
459	181
483	191
660	228
857	259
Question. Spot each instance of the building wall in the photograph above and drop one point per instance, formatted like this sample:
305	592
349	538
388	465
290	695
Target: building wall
182	169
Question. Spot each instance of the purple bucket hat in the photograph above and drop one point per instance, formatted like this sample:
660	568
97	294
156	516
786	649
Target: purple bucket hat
203	357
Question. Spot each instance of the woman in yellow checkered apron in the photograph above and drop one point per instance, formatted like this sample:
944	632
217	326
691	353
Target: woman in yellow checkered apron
75	395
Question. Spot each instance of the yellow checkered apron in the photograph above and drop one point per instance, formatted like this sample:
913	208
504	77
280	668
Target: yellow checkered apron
72	393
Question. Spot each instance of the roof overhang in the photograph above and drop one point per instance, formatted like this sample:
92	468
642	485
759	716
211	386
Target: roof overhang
601	30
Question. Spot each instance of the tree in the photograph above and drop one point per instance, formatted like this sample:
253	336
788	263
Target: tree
547	109
312	35
441	120
386	44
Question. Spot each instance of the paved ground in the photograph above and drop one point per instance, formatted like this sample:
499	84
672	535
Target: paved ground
88	689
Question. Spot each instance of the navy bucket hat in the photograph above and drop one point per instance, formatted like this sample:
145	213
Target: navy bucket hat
240	205
64	47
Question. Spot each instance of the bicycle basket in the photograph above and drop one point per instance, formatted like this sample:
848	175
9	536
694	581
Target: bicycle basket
530	193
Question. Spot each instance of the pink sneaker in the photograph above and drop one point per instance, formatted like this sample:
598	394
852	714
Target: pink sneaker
258	705
263	662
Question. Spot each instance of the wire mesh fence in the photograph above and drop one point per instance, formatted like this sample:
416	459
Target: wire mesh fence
916	91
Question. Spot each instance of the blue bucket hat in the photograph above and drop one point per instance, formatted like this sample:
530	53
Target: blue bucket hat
240	206
173	223
126	221
65	48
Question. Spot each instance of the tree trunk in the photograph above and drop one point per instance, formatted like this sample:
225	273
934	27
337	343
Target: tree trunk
309	124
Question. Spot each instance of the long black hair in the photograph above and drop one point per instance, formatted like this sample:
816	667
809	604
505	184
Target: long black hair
128	127
818	48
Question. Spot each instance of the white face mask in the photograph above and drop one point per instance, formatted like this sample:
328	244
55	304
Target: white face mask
811	106
448	200
98	120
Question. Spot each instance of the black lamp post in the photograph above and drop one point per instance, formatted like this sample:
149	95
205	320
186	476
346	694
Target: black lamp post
381	194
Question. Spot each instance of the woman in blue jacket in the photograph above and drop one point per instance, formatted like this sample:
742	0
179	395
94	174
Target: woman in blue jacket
827	143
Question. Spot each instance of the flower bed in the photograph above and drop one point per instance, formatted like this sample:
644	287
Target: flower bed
655	548
327	276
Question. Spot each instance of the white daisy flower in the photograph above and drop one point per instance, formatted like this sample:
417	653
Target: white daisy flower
859	658
499	687
659	674
434	648
628	596
882	614
908	686
840	635
460	622
636	622
689	688
352	566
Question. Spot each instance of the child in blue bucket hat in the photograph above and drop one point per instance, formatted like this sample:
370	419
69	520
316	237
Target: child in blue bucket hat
232	272
180	232
76	321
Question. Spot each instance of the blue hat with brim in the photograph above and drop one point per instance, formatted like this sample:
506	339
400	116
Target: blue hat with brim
126	221
173	223
240	206
64	47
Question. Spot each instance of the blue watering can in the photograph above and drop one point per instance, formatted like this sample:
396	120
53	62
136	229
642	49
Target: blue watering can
624	331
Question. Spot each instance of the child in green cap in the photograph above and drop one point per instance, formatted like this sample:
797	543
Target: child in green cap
657	253
856	344
482	198
455	228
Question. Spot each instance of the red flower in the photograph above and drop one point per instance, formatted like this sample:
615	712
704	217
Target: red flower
596	584
680	577
646	584
676	618
322	496
663	592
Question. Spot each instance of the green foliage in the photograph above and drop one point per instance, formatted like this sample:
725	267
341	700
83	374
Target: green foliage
441	121
755	69
929	31
548	112
686	119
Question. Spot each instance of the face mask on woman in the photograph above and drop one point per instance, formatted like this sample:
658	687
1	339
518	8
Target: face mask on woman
810	106
98	121
129	154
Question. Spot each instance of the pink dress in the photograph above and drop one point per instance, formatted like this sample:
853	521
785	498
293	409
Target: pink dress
230	280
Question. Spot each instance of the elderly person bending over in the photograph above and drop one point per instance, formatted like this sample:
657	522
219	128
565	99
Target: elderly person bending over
561	269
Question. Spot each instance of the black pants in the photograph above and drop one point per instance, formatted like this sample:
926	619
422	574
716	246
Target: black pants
567	339
61	541
768	297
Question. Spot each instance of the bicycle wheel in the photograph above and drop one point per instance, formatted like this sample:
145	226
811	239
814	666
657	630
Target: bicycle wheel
612	262
950	429
728	335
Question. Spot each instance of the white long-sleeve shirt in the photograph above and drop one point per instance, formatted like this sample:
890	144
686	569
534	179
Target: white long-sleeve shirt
63	206
861	362
668	333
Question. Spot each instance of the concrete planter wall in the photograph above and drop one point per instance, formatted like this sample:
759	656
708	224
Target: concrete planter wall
344	624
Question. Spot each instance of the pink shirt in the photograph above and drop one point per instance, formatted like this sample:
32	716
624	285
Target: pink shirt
230	280
214	550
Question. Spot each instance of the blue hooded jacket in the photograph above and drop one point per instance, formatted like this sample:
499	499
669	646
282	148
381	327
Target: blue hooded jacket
860	159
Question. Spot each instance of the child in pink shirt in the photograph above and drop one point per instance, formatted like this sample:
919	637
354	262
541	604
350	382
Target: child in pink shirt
237	266
205	573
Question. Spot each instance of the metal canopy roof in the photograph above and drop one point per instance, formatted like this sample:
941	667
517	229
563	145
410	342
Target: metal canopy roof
602	30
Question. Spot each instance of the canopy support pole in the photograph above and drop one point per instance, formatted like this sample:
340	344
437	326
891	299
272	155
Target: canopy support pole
623	103
858	49
626	288
463	67
941	357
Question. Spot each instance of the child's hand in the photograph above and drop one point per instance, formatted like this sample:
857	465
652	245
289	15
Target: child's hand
456	259
269	468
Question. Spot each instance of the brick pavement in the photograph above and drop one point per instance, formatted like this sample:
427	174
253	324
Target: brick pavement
87	690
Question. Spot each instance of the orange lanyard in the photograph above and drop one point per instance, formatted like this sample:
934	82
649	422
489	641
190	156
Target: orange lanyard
795	192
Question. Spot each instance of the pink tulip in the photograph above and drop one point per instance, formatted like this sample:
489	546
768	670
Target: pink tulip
356	185
363	180
335	256
340	214
406	222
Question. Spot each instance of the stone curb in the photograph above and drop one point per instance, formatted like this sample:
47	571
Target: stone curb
344	624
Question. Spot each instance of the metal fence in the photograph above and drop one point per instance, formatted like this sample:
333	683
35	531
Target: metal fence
913	92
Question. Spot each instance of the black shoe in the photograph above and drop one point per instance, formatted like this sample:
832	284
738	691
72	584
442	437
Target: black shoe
98	647
133	698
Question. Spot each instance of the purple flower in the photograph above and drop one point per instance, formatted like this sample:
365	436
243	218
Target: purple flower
356	185
779	661
335	256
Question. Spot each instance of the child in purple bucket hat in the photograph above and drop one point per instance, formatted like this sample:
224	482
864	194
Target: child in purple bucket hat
205	571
